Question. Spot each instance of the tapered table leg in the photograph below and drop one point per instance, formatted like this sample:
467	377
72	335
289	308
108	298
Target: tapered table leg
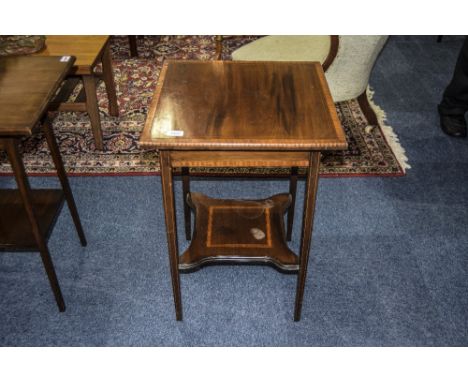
108	76
132	41
219	46
92	108
307	226
185	192
292	192
11	146
171	228
57	158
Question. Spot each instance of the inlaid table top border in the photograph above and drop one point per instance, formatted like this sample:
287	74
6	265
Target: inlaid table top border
178	143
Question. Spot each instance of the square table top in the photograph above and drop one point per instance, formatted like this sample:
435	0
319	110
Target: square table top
240	105
86	49
27	85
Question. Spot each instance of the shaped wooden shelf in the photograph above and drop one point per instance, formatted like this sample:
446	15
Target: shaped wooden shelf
15	228
239	231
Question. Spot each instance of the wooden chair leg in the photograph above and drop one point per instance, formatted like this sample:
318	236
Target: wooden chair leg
57	158
25	191
292	192
108	77
307	226
185	192
132	41
369	113
92	108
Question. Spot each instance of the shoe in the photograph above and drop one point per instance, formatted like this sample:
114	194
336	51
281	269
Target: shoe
453	125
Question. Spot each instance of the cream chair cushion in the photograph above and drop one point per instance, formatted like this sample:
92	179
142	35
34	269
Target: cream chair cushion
285	48
348	75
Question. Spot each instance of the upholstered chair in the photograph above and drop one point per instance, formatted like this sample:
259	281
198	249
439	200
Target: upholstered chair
347	60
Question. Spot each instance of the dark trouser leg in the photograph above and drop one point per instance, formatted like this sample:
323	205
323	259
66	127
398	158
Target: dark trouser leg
455	98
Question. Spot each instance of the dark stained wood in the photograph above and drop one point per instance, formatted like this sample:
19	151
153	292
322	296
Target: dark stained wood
29	224
27	199
108	77
132	42
310	197
93	110
292	192
369	113
225	105
334	44
185	192
232	231
239	114
57	158
20	107
15	228
171	230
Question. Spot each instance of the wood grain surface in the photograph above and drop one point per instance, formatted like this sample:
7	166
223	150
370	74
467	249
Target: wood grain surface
224	105
27	84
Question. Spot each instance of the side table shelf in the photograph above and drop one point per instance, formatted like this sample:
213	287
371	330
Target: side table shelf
15	227
239	231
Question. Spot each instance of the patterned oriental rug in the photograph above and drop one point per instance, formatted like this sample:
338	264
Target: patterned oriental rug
373	150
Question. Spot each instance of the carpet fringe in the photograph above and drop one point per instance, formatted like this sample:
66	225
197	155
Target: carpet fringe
390	135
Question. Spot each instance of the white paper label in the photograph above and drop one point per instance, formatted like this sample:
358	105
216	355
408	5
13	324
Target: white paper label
65	59
175	133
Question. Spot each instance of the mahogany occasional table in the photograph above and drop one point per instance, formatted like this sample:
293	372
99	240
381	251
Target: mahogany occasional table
241	114
27	85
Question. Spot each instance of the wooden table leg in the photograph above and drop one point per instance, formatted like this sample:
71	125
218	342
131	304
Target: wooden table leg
108	77
307	226
171	228
132	42
92	108
11	146
57	158
219	47
292	192
185	192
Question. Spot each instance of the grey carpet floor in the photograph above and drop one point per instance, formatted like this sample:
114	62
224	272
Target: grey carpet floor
388	266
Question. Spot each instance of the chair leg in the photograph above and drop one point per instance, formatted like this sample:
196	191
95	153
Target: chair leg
185	192
25	191
92	108
369	113
292	192
108	76
52	143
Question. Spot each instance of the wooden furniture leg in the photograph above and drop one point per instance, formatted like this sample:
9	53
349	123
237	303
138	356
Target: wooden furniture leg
108	77
185	192
92	108
219	47
292	192
171	228
307	226
11	146
57	158
132	41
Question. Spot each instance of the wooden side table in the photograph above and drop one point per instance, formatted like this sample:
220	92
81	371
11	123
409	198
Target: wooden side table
241	114
28	216
89	52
